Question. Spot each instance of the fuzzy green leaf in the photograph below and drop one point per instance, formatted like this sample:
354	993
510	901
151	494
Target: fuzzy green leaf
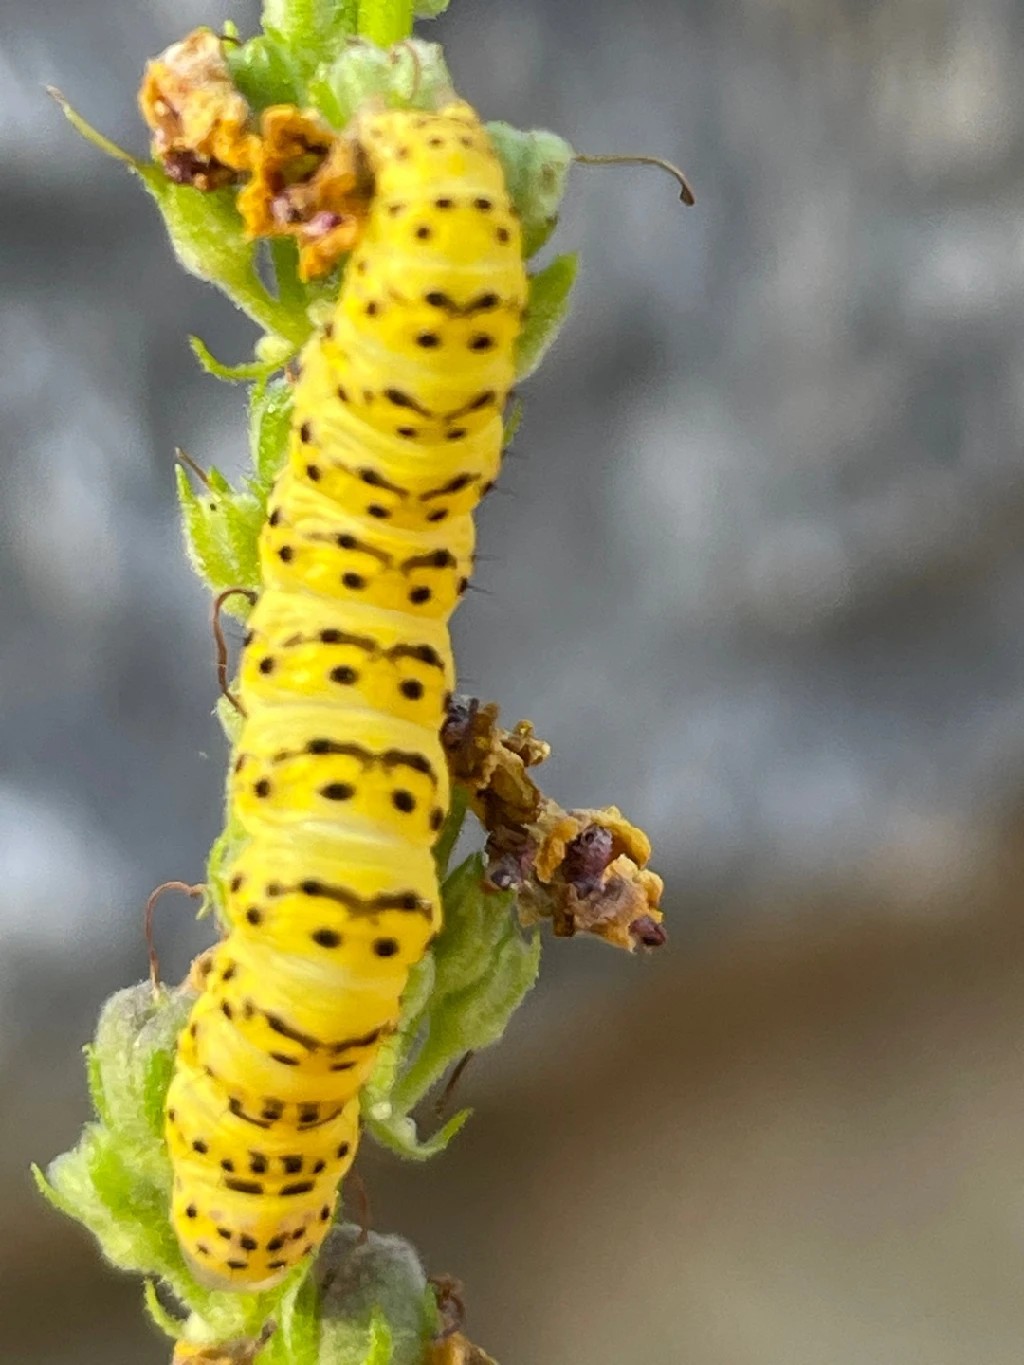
264	71
209	240
94	1078
117	1181
430	9
221	527
235	374
380	1349
413	74
536	165
297	1340
99	1185
92	135
158	1314
309	31
284	254
546	310
451	829
227	844
207	235
270	420
398	1133
137	1029
482	967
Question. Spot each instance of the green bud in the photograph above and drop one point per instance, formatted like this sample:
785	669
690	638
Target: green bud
367	1281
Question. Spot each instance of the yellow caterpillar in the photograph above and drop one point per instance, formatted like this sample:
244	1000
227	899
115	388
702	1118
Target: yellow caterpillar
340	780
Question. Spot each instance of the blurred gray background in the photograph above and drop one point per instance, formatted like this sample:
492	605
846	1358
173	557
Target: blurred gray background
758	579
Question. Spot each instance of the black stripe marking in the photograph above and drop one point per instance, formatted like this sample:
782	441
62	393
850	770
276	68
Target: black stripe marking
364	1041
347	542
298	1187
306	1040
314	1122
333	748
406	901
437	559
235	1107
455	485
244	1186
483	400
424	654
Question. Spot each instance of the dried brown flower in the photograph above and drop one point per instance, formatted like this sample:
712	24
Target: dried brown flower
585	870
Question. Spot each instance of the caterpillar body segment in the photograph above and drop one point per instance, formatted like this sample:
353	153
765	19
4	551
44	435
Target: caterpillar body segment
340	780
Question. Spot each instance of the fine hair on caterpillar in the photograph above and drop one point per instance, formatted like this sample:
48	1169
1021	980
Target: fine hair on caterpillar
340	782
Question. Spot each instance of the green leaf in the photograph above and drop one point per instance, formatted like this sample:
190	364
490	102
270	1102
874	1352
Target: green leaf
411	75
94	1078
136	1027
451	829
298	1330
98	1184
159	1069
482	967
430	9
385	22
263	70
398	1133
208	236
380	1350
546	310
221	527
536	165
270	423
309	31
227	844
513	421
91	135
63	1202
235	374
158	1314
284	254
209	240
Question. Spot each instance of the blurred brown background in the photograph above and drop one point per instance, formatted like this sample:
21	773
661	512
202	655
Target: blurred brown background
759	582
